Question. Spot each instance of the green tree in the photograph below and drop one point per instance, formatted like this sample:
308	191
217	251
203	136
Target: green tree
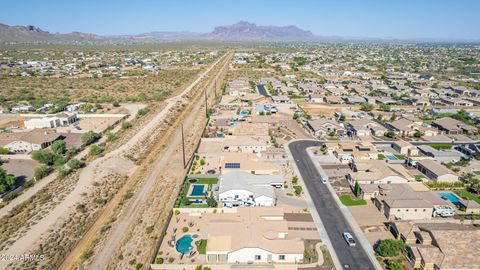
74	164
40	172
95	150
356	189
418	134
390	247
394	265
126	125
90	137
59	147
45	157
390	134
4	151
366	107
62	171
295	179
72	151
7	181
385	107
211	202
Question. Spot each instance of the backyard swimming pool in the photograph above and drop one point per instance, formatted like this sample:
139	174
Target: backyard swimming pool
198	190
392	157
184	244
449	196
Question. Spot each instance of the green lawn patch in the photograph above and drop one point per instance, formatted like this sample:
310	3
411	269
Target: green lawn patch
419	177
349	201
381	157
439	146
465	194
333	138
201	246
400	157
210	181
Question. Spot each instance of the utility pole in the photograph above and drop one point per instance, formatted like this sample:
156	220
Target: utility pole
183	150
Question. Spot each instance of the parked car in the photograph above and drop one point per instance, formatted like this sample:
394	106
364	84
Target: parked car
349	239
324	179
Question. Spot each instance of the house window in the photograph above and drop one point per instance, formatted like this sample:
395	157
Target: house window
398	210
415	210
258	257
281	257
424	210
406	210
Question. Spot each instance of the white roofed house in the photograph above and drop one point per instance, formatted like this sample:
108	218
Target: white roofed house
244	189
58	120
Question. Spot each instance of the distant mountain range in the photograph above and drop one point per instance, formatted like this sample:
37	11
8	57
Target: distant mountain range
241	31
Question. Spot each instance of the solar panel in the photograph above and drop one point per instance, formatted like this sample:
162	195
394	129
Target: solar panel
232	165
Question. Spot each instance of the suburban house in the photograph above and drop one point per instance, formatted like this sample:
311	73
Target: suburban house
315	98
365	127
412	201
407	127
378	172
442	155
348	151
236	161
58	120
243	144
405	148
324	126
245	189
436	171
27	142
252	235
281	99
439	245
449	125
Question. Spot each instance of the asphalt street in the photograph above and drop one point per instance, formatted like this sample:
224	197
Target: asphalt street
332	218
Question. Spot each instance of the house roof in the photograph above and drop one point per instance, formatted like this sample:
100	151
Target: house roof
252	227
36	136
453	124
320	124
259	185
405	195
435	167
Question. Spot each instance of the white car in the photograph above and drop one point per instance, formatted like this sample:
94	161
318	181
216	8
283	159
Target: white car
349	239
324	180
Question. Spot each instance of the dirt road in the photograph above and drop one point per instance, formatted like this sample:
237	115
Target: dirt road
130	214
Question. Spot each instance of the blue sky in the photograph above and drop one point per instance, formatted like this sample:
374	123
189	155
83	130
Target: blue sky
450	19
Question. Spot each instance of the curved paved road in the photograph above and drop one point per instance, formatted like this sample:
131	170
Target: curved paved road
330	214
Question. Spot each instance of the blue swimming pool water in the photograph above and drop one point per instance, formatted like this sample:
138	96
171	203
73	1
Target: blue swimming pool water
244	112
392	157
449	196
198	190
184	244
